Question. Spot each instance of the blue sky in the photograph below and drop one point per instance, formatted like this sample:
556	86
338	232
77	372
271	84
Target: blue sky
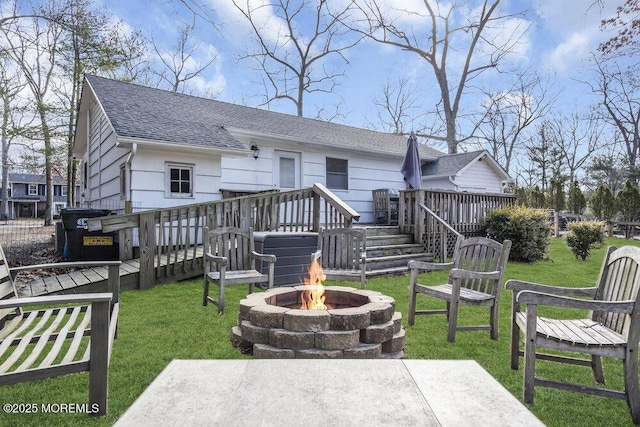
563	35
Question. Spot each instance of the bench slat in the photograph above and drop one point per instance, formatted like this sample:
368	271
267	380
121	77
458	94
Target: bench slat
77	338
60	339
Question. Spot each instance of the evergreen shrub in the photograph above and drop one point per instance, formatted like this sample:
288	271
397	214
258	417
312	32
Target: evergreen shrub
528	229
583	236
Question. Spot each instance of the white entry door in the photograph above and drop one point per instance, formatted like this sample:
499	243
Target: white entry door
286	170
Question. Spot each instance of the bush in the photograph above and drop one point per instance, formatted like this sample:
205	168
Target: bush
583	236
528	229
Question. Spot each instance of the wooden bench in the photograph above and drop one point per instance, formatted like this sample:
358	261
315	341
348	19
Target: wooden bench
230	259
74	335
612	328
475	278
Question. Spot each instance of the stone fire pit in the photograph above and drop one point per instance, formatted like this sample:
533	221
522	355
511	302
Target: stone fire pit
356	324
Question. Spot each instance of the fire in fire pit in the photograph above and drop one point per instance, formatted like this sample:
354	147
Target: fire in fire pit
353	323
313	296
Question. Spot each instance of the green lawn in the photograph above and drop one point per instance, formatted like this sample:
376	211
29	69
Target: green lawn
169	322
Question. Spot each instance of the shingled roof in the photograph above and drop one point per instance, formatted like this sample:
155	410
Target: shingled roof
152	114
450	164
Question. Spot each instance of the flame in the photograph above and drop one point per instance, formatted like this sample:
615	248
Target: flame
313	298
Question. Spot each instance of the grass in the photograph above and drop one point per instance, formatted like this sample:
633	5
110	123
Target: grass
168	322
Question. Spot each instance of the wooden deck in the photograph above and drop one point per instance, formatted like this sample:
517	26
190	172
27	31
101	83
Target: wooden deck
95	279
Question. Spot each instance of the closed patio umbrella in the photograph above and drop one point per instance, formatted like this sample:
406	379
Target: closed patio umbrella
411	169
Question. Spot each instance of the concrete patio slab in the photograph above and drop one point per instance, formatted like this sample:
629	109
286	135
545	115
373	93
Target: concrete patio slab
326	393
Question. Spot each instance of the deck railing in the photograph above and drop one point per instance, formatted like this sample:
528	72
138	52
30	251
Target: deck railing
169	239
434	217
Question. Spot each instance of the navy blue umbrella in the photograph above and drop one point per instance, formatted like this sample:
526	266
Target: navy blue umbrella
411	169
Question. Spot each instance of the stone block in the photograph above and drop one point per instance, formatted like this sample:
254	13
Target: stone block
337	296
267	316
363	351
307	320
397	322
263	351
284	297
253	333
282	338
246	305
383	298
377	333
395	344
337	340
348	319
381	312
319	354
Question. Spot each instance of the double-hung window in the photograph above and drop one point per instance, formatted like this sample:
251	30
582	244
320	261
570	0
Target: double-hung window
337	174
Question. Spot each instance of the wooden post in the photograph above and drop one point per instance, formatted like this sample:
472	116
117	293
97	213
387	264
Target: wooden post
99	358
316	212
147	232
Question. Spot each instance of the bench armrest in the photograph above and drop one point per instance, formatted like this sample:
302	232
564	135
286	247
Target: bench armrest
220	260
56	299
264	257
518	285
538	298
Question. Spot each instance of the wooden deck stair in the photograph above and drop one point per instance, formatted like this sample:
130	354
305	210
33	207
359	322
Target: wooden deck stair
389	251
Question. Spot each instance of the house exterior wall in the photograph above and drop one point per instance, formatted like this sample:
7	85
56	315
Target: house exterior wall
149	178
365	173
100	186
439	183
479	177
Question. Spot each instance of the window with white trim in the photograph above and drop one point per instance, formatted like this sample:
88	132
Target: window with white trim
179	180
337	173
33	189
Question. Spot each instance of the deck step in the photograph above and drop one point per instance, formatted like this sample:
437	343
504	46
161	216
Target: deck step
388	250
380	263
389	239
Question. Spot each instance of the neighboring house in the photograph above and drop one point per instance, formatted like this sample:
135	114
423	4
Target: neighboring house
155	149
28	195
475	172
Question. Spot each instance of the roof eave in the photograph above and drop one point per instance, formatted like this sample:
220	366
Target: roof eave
296	141
128	142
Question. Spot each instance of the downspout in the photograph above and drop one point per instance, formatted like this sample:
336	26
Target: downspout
129	174
455	186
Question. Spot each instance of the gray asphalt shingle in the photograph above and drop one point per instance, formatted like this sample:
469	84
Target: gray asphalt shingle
143	112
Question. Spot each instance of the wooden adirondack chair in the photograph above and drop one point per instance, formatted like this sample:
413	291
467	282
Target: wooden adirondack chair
75	335
342	254
612	327
230	259
475	280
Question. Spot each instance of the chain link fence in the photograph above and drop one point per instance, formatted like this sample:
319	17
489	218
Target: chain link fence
28	241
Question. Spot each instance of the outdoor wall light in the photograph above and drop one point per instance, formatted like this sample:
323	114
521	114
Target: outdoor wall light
256	151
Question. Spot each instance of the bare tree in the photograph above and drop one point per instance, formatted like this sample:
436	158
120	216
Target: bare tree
34	47
481	42
511	112
396	105
13	120
619	89
578	137
181	64
293	58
